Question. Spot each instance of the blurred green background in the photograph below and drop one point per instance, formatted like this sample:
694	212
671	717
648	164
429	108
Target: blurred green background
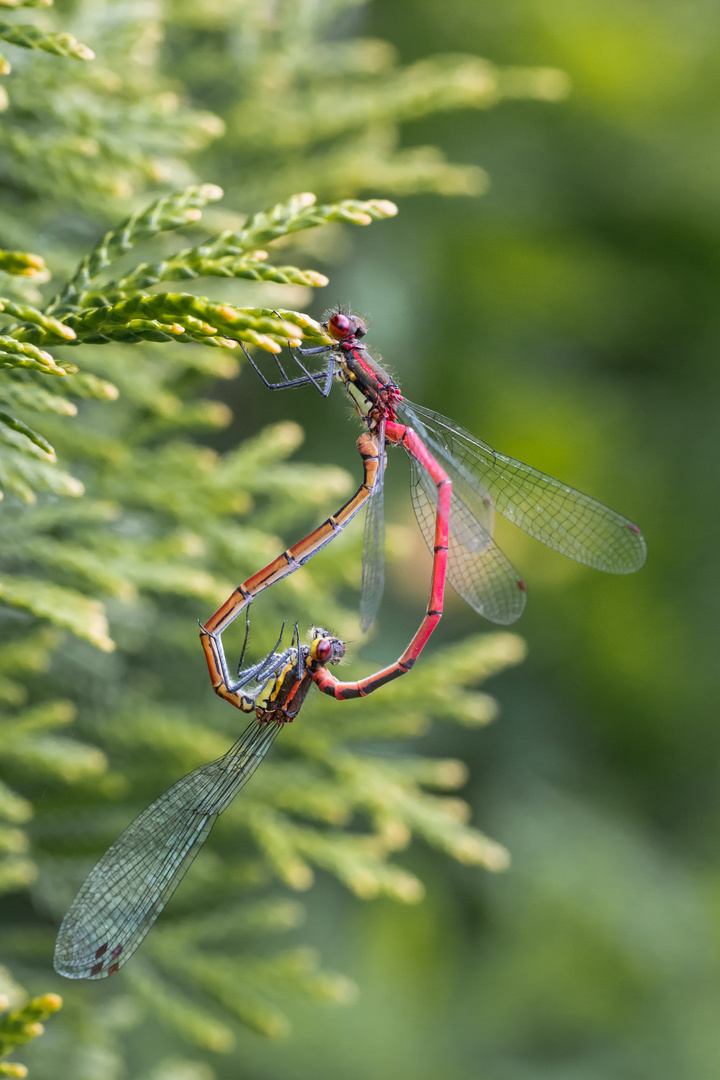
569	317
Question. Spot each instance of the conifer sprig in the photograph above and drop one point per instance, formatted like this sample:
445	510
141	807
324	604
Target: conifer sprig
394	95
300	212
162	316
23	354
21	263
234	254
17	425
21	1025
28	36
165	213
29	314
25	3
196	262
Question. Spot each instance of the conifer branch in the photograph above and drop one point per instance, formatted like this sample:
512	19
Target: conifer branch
194	263
32	315
299	212
20	1026
25	3
28	36
60	606
17	425
23	354
164	315
166	213
21	263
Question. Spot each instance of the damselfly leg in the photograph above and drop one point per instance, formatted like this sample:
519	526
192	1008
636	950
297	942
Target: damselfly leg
321	380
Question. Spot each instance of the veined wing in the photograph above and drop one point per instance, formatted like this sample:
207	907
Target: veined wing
476	567
373	557
128	888
568	521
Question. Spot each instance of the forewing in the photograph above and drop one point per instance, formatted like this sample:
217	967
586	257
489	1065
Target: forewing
130	885
476	567
568	521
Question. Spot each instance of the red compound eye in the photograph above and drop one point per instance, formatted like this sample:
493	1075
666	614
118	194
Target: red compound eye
340	326
323	649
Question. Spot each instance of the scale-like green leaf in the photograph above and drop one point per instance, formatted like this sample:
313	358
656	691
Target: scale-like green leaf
32	37
66	608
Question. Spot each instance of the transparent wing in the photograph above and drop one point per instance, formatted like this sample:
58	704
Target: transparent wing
130	885
373	559
561	517
476	567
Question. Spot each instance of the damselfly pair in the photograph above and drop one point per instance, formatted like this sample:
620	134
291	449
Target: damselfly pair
457	483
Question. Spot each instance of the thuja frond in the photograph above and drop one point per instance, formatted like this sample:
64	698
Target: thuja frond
23	354
32	37
12	806
194	262
21	263
247	998
301	212
29	395
24	472
25	3
182	1014
435	85
166	213
17	870
21	1025
163	316
90	312
327	112
44	320
63	607
7	421
87	136
229	254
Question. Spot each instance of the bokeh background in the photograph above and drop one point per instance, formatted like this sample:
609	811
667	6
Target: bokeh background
570	317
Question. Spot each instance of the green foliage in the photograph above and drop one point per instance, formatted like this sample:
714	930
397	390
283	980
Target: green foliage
30	37
21	262
21	1020
121	526
323	113
94	313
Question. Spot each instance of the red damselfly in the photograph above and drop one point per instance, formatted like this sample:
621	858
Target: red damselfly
133	881
483	482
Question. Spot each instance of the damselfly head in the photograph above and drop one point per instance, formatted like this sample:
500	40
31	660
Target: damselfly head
324	648
342	326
